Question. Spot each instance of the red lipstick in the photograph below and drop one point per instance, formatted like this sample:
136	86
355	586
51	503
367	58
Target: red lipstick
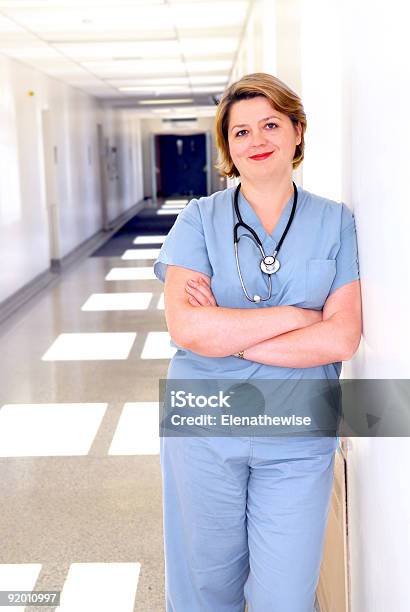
261	156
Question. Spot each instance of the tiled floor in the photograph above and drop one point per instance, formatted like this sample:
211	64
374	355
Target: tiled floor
79	449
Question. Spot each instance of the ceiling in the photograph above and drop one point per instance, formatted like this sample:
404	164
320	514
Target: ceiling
145	54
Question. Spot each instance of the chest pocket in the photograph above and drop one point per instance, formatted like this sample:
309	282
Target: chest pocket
320	274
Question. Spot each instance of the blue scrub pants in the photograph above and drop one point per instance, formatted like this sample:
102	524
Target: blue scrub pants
244	517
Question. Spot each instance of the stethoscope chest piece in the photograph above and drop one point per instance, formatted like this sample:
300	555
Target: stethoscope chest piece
269	264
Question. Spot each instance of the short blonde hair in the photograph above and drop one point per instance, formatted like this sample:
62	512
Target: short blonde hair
281	97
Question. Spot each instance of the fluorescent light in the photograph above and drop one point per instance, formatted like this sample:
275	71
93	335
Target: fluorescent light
207	65
138	67
161	111
173	211
90	346
208	80
207	14
137	431
31	52
100	586
176	201
176	80
121	51
153	83
162	89
150	239
93	20
157	346
56	4
170	101
19	576
208	89
117	301
141	254
7	26
202	46
173	206
119	274
161	302
59	67
44	430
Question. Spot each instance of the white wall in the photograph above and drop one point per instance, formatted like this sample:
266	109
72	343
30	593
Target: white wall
348	62
271	43
356	87
377	80
322	96
23	215
122	130
25	248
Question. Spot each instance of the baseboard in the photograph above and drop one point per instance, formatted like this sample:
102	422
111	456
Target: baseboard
94	242
14	304
17	300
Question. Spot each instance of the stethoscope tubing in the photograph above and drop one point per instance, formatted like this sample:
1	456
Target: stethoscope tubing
255	236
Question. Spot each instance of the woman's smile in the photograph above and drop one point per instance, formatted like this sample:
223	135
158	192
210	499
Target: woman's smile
261	156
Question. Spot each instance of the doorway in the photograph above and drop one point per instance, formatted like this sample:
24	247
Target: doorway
181	165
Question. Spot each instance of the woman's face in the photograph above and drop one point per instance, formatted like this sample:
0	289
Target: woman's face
255	127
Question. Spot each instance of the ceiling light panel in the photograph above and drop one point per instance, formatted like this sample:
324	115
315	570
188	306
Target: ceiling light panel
201	46
121	50
220	79
208	79
7	26
57	67
215	2
213	89
176	101
209	14
155	91
40	52
152	83
160	67
91	20
111	69
47	4
205	66
105	94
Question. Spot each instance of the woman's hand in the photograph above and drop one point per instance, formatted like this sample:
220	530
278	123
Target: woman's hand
200	293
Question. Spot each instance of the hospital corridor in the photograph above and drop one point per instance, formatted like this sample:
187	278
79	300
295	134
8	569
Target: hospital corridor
107	142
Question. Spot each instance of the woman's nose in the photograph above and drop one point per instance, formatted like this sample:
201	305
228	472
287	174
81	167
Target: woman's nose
258	138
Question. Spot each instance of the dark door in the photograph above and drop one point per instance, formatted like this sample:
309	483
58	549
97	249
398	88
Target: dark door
182	165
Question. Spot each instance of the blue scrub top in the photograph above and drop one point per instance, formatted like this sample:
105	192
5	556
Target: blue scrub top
318	255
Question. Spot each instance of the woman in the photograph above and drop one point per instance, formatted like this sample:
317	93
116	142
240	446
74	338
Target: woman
244	517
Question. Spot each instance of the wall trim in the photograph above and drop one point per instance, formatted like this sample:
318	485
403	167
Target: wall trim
13	305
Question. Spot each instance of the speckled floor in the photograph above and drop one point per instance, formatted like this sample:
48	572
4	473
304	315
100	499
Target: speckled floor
81	495
87	506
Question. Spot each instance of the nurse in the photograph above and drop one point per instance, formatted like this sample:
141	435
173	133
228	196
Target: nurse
245	516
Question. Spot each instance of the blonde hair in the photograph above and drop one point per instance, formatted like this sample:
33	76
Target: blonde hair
281	97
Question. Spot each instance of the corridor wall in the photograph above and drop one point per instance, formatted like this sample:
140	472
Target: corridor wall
27	97
356	86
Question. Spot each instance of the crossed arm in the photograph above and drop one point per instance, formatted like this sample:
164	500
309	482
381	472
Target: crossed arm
284	336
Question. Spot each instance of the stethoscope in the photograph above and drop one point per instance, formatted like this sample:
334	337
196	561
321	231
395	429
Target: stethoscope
269	263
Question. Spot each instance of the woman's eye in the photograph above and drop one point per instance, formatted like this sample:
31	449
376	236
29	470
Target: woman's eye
271	124
238	133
